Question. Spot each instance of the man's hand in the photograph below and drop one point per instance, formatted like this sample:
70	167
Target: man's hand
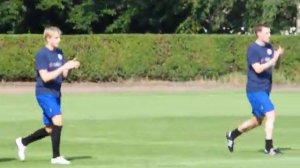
72	64
278	53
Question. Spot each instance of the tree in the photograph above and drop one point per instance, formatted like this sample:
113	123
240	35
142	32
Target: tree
279	14
11	14
152	16
42	13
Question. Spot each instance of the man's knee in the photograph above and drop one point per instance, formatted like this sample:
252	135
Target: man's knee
257	121
48	129
57	120
270	116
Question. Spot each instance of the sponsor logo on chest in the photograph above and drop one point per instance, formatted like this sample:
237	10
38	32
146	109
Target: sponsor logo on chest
58	63
268	57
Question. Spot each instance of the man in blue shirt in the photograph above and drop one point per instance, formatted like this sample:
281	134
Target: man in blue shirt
261	59
51	69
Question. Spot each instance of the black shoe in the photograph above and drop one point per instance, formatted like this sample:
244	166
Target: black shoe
272	151
230	141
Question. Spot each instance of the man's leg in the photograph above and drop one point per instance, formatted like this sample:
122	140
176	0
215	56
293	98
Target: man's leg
56	134
244	127
55	138
269	126
23	142
250	124
37	135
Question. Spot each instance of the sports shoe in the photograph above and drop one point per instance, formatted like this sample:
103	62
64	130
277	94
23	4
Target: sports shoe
272	151
230	141
60	160
21	149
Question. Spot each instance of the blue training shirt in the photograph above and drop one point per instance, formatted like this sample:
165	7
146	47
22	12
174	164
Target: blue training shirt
49	60
259	54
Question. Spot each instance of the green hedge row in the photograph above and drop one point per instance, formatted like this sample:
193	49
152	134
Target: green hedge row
162	57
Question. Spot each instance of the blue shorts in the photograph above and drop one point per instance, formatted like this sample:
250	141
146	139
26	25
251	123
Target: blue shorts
260	102
50	105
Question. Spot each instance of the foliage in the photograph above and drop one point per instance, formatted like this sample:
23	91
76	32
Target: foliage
153	16
158	57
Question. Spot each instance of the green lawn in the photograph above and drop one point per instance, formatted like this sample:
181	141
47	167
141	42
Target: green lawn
151	130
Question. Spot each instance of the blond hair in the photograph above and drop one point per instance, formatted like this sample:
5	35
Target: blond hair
49	31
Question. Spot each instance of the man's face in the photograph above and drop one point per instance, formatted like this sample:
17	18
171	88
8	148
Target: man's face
264	34
54	39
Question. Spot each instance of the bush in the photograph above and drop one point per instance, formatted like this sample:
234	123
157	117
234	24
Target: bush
158	57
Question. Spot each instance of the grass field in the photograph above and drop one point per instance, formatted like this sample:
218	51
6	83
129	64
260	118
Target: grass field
151	130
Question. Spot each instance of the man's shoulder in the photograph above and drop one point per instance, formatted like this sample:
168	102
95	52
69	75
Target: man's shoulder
253	48
41	51
253	45
42	54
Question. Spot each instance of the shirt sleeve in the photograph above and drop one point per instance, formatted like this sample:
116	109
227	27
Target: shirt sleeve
252	56
41	61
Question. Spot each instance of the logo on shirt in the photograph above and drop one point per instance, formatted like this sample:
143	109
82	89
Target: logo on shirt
264	60
55	64
267	59
269	51
59	56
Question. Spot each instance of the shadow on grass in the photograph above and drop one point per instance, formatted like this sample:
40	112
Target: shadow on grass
281	150
7	159
78	157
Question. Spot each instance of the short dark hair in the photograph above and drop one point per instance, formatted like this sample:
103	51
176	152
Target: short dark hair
259	27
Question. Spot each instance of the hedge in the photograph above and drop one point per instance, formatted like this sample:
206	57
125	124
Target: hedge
157	57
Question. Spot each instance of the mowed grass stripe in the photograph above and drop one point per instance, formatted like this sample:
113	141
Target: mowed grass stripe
134	129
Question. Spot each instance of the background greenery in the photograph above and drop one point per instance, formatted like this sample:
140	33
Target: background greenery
152	16
159	57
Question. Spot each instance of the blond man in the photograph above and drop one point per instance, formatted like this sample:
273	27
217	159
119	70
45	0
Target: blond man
51	69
